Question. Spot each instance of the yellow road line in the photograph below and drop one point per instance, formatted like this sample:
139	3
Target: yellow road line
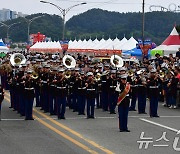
73	132
65	136
62	134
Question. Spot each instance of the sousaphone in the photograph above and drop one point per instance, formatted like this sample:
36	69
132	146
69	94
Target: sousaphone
69	61
17	59
116	61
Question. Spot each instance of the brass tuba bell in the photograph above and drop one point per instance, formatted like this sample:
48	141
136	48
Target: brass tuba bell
34	75
67	74
97	77
17	59
69	61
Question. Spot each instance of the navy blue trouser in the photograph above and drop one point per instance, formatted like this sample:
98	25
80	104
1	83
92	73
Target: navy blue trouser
12	97
28	107
123	117
81	99
105	100
90	106
52	103
112	102
61	106
98	101
75	105
37	96
22	104
153	105
45	100
133	102
141	103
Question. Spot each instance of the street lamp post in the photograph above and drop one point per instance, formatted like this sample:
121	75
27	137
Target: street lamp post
29	21
143	23
8	28
63	12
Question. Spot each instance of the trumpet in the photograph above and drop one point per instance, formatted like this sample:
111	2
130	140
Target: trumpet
17	59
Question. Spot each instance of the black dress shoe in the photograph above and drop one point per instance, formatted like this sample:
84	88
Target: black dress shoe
132	109
112	112
121	130
31	118
88	117
156	116
52	114
62	118
143	113
92	117
127	130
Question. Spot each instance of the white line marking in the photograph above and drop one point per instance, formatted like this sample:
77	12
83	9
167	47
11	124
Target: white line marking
11	119
157	124
160	145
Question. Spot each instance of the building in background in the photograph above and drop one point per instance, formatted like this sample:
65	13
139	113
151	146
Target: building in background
7	14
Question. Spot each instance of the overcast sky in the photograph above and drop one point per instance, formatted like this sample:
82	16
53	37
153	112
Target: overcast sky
34	6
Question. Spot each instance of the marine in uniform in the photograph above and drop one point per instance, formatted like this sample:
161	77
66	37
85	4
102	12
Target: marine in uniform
112	83
90	95
153	83
81	93
123	107
44	81
142	92
61	94
29	95
134	91
52	89
104	89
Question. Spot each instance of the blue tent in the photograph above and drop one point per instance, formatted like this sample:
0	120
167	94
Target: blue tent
135	52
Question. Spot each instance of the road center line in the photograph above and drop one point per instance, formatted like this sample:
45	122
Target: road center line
59	133
67	129
65	136
160	125
74	133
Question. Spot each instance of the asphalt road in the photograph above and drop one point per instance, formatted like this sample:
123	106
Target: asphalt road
78	135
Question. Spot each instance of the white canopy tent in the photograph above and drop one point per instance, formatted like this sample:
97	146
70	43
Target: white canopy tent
46	47
130	44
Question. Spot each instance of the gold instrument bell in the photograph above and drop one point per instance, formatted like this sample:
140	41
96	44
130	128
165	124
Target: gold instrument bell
17	59
161	74
97	77
67	74
34	75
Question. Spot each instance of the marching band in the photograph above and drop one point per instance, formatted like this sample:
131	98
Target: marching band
56	83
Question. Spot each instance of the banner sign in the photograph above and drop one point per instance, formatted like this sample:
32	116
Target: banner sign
144	46
64	45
